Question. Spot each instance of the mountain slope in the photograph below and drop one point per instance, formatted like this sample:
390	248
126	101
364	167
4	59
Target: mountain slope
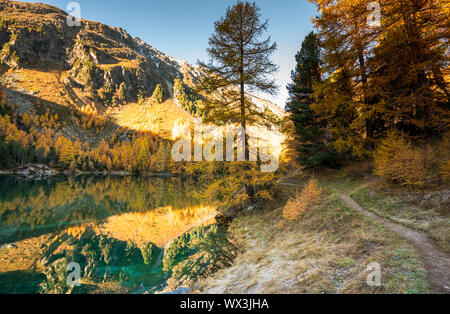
95	56
93	65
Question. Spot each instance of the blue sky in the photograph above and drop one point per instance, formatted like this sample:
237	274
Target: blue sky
181	28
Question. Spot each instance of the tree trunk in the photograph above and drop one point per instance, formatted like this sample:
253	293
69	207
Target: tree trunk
440	81
363	74
242	98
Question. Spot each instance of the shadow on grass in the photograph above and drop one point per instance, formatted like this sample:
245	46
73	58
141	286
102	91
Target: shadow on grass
20	282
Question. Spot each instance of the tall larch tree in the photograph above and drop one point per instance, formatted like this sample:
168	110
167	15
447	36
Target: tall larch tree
346	38
240	62
408	67
392	76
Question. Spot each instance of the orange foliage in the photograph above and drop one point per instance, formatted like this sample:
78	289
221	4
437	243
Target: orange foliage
398	161
90	118
303	201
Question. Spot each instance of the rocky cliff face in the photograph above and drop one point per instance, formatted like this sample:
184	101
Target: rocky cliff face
33	33
96	56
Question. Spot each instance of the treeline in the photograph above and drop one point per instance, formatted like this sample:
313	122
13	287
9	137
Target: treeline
31	137
359	87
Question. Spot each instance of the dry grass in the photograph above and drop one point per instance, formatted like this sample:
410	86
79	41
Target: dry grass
124	63
17	266
45	83
303	201
157	118
410	209
420	209
326	252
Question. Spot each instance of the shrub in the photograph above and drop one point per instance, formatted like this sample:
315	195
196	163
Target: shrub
237	185
106	94
178	250
122	93
3	107
15	59
187	98
398	161
182	247
56	276
297	206
132	254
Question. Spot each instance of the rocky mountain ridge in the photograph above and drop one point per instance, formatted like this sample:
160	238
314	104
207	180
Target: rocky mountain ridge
97	56
100	60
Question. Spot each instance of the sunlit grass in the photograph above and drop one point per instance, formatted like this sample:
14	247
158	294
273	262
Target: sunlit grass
326	251
158	118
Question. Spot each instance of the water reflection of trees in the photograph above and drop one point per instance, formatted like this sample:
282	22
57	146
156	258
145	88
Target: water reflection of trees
63	201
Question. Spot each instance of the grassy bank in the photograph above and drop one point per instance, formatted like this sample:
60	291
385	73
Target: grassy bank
434	220
425	209
326	251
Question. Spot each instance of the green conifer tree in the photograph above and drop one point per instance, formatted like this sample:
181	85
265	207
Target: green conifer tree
312	147
158	94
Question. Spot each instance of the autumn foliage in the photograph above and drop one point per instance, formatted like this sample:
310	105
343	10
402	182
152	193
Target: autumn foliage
303	201
375	79
90	118
400	162
33	137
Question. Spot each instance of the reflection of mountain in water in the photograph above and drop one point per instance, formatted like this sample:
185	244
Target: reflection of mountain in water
48	205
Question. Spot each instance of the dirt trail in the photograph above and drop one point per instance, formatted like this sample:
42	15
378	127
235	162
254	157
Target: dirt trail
437	262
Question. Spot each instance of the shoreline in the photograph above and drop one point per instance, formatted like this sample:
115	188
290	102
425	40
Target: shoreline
40	172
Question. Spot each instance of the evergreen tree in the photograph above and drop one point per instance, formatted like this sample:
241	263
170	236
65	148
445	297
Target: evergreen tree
158	94
312	147
187	98
180	92
121	93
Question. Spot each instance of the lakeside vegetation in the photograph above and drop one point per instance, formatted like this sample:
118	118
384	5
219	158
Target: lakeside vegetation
326	251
